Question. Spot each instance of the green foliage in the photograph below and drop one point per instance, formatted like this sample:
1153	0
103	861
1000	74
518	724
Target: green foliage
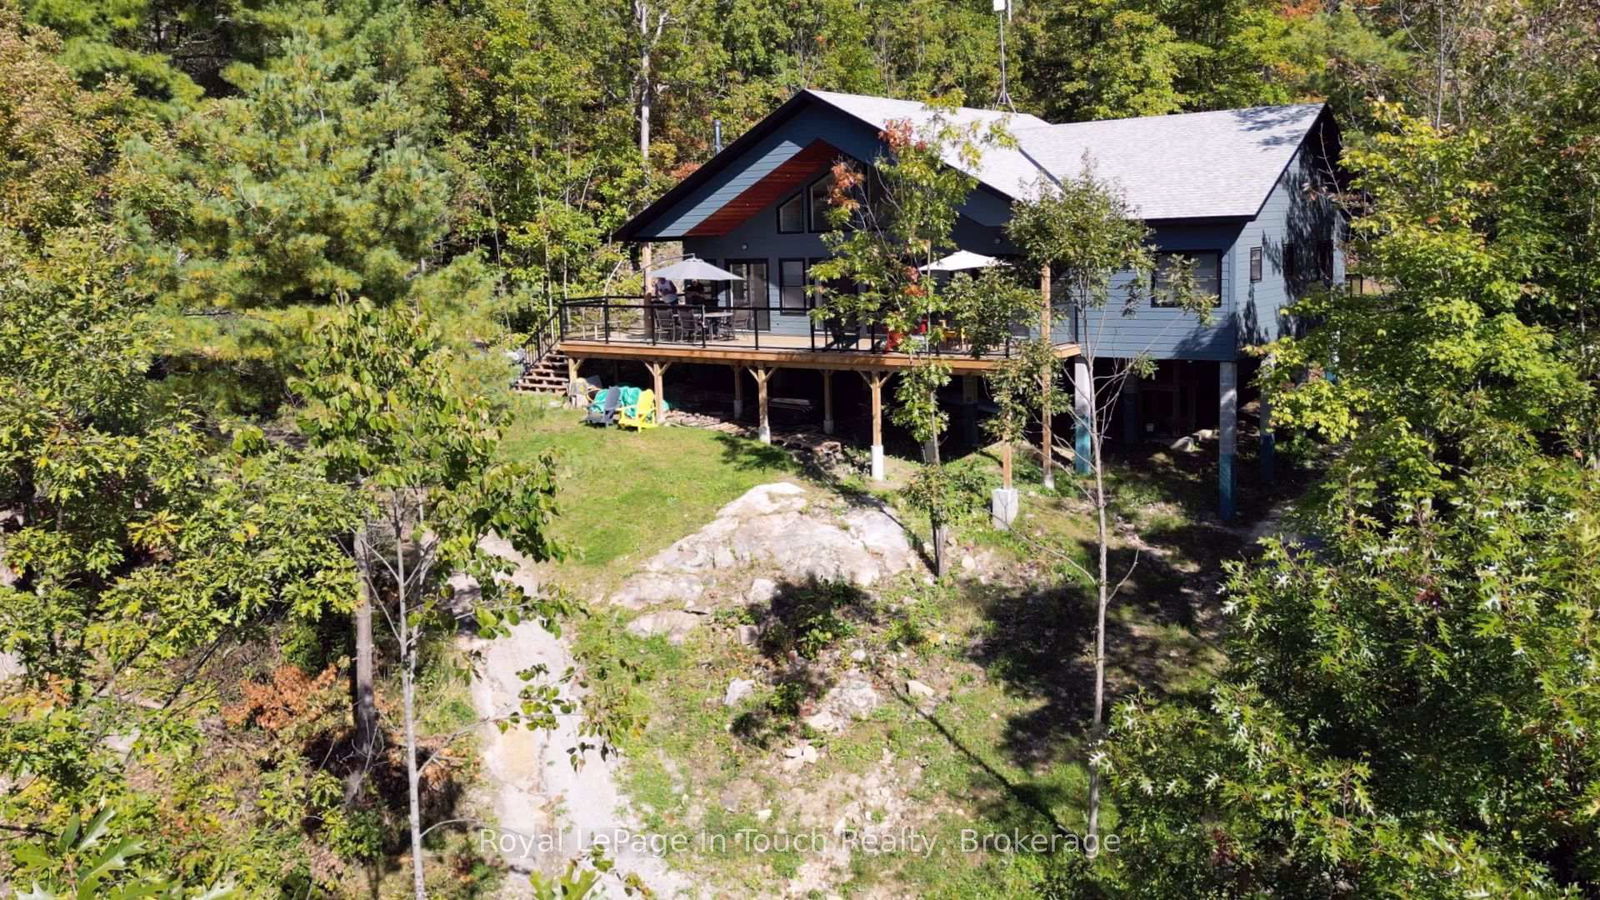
1084	230
381	404
107	42
1016	386
1402	713
139	542
1410	690
317	177
949	493
1452	357
86	862
883	244
577	881
1101	59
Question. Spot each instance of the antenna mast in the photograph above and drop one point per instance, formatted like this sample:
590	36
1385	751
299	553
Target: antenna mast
1003	8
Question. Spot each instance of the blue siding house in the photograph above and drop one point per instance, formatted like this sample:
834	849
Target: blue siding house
1246	194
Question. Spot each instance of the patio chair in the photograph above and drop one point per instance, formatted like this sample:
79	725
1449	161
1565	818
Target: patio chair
690	325
642	413
843	335
603	411
585	392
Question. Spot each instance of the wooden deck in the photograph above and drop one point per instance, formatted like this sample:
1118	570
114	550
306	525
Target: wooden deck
768	350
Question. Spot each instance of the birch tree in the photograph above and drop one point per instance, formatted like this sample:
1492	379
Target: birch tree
1097	253
381	406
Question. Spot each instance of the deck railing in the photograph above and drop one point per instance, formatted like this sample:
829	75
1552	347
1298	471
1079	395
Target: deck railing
632	320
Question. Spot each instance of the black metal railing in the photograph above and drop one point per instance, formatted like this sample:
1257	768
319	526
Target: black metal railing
544	334
632	320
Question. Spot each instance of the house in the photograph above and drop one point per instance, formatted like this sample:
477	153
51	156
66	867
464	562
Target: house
1245	194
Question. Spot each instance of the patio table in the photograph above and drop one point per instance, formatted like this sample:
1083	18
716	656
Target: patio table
719	323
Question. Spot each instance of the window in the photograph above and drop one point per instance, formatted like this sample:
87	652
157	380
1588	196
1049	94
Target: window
1255	263
792	215
750	291
1325	261
818	192
1291	262
792	286
1207	275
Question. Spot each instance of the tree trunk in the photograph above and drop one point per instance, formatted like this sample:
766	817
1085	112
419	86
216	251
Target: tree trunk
364	706
941	560
413	776
1047	383
1102	584
408	699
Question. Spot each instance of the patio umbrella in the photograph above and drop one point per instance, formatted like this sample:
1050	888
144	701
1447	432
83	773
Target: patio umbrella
692	269
959	260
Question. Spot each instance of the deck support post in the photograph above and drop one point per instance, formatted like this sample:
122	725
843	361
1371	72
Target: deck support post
764	430
827	401
971	396
1082	397
875	382
1269	441
1132	428
1227	435
1047	437
574	395
738	393
657	370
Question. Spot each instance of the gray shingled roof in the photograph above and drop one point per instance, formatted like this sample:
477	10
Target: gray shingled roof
1190	165
1006	169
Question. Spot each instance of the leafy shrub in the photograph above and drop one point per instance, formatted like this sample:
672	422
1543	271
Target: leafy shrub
810	618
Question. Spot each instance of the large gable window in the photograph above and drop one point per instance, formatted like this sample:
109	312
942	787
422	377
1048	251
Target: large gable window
819	191
1207	276
792	215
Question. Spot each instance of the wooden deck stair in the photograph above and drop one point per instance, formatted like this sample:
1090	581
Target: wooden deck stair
545	375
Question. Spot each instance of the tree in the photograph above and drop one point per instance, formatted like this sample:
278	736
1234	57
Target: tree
1101	59
138	545
1017	387
1083	234
1407	699
319	177
139	537
882	244
381	405
85	861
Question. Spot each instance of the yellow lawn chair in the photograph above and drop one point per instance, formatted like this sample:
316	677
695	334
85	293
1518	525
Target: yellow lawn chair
642	414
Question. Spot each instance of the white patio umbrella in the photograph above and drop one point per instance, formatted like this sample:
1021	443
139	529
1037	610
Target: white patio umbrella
959	261
692	269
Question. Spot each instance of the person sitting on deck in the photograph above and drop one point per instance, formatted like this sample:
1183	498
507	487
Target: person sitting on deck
666	292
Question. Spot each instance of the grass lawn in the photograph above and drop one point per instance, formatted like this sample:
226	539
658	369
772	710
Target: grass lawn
624	495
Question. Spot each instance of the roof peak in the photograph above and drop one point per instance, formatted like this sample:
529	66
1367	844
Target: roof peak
826	95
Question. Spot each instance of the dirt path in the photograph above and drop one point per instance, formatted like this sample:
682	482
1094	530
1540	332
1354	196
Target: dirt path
547	812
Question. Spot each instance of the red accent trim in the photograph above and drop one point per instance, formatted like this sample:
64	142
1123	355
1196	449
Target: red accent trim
816	158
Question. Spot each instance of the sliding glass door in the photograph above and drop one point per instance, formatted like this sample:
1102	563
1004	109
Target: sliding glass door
750	290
